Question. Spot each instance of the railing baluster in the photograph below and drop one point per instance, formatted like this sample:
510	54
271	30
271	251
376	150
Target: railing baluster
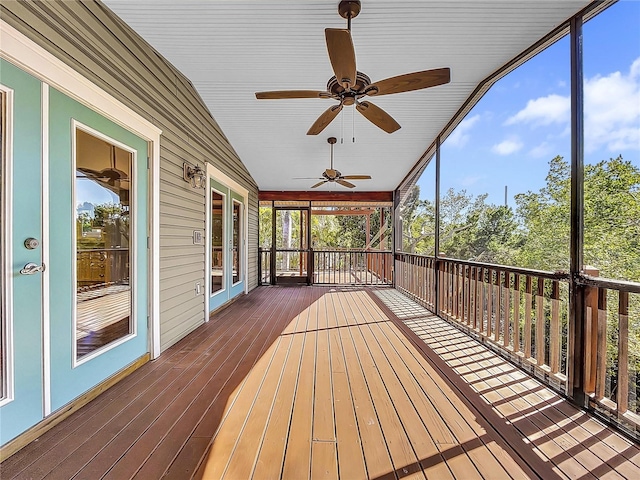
623	353
516	312
498	307
554	334
528	298
601	370
506	337
489	303
540	323
480	299
473	290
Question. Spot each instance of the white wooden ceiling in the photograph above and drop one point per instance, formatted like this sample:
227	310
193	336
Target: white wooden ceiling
232	49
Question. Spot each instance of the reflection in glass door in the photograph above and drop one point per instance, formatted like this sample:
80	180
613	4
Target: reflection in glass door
217	242
103	230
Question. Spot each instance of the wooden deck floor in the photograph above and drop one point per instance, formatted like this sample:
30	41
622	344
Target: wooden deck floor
321	382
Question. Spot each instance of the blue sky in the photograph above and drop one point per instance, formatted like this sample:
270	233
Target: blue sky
523	121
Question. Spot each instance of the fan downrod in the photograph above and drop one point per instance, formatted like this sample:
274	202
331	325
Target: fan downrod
349	8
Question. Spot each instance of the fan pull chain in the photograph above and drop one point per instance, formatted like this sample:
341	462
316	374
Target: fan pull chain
353	125
342	126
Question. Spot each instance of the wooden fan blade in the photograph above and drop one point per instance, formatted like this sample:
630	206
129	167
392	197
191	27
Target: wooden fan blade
344	183
411	81
280	94
342	55
356	177
325	119
319	183
378	117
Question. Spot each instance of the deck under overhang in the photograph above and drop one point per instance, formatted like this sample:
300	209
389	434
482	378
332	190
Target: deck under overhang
328	382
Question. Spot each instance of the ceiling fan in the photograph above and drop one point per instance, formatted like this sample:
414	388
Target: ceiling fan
333	175
349	86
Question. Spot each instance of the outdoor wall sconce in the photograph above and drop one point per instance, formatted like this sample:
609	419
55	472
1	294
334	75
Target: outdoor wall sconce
194	175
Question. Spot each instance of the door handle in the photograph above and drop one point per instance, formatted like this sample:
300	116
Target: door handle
31	268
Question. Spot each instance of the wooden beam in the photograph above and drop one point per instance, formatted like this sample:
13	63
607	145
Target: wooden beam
325	196
342	212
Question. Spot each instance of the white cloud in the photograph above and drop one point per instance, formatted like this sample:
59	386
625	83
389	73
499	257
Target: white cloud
507	147
460	136
471	180
541	150
543	111
612	110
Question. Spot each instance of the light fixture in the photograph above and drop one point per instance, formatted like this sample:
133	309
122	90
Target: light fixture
194	175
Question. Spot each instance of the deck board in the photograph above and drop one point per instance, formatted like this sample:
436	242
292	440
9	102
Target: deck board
327	382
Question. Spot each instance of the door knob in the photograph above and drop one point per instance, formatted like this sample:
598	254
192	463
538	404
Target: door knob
31	268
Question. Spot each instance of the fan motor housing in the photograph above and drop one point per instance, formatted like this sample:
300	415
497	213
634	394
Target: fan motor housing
336	89
349	8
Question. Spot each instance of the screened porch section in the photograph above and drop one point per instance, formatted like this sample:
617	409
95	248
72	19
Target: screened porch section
325	242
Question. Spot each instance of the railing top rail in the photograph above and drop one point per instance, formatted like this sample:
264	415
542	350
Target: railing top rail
523	271
622	285
353	250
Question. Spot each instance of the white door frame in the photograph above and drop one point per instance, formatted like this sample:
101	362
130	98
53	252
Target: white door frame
218	176
27	55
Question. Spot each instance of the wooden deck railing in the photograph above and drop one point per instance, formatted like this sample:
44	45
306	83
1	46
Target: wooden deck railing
523	313
613	348
353	267
102	266
264	266
342	267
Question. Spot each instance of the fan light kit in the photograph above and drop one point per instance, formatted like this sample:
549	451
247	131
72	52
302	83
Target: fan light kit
331	175
349	86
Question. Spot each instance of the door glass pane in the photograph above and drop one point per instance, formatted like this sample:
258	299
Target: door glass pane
3	317
237	218
217	239
103	232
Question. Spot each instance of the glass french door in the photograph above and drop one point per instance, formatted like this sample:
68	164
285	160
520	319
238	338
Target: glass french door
226	240
73	224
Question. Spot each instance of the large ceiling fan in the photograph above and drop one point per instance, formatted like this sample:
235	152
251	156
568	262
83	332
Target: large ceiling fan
333	175
349	86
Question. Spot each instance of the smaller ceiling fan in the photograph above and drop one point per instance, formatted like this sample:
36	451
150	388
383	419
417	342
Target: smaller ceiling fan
333	175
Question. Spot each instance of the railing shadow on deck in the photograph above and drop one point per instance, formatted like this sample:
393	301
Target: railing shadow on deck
536	420
523	315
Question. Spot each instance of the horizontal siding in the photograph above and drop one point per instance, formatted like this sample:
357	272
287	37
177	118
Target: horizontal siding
97	44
